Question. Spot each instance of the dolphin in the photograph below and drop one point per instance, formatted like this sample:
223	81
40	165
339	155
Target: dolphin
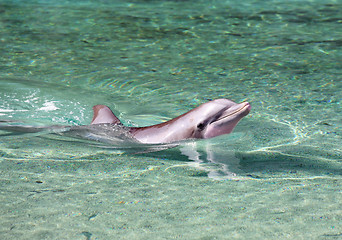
210	119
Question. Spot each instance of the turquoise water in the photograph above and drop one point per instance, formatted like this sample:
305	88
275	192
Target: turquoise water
278	175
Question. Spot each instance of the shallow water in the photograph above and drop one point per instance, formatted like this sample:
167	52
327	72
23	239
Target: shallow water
277	176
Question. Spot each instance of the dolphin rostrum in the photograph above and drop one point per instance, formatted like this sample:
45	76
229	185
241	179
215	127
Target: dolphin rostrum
211	119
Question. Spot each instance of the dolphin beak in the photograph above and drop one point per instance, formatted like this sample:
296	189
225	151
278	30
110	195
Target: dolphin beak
240	110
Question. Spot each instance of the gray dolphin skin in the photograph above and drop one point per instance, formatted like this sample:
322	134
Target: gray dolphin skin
211	119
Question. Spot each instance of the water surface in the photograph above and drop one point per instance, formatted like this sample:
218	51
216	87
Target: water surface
277	176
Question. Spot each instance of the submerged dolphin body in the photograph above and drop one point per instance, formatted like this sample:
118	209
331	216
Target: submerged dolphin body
211	119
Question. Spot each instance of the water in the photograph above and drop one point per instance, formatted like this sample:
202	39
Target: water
277	176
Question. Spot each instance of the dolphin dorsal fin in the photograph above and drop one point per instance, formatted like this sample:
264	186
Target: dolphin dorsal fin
103	114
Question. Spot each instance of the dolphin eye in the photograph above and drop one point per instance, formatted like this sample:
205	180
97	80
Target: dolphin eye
200	126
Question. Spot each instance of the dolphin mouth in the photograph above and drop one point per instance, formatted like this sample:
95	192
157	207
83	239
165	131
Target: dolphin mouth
242	110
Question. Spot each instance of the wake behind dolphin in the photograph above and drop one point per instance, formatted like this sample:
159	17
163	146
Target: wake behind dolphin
211	119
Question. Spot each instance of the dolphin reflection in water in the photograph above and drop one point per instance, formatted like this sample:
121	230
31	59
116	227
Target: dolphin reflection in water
211	119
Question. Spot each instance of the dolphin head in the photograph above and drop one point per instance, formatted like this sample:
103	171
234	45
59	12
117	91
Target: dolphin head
211	119
218	117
